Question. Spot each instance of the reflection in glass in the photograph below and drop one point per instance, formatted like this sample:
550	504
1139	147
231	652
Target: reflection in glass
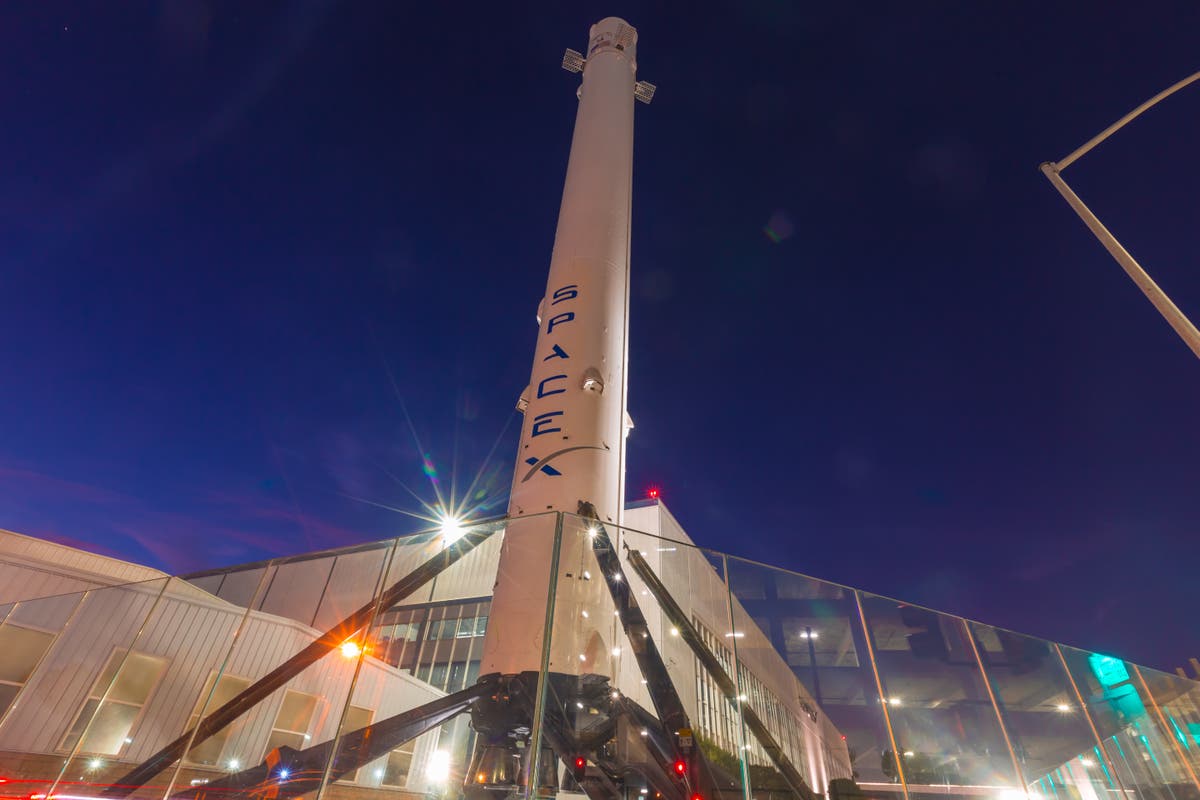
812	628
1049	732
356	672
946	729
1144	753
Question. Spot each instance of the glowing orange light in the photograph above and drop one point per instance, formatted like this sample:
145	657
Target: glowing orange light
481	778
350	649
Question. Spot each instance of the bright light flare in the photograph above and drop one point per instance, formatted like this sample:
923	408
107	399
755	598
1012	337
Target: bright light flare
350	649
438	770
451	528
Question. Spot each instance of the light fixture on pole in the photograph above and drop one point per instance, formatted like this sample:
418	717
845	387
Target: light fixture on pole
1053	172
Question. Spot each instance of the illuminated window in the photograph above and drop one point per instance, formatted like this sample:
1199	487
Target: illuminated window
438	676
20	651
135	675
209	751
357	718
401	631
399	762
293	720
466	628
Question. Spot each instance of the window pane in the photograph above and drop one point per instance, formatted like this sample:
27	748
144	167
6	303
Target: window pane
112	724
438	678
20	649
138	675
209	751
480	625
828	639
229	688
396	772
283	738
296	712
8	693
81	721
357	718
457	670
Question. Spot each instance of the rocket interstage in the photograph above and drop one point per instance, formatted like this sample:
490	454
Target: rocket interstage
571	454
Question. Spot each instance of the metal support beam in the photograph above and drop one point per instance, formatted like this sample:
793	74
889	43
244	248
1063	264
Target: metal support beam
1157	297
269	683
724	682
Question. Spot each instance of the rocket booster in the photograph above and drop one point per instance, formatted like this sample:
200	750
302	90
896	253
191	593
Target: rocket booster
572	446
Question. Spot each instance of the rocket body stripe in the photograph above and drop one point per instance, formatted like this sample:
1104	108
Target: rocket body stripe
575	419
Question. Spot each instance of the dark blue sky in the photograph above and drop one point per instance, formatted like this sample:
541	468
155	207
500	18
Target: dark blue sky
227	228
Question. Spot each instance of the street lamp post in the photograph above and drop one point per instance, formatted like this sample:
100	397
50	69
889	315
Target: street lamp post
1053	172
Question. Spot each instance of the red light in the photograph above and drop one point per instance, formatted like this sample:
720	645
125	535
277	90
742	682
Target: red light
653	494
680	767
697	796
843	737
580	762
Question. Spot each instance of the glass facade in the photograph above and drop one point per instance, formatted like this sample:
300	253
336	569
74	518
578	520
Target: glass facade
352	673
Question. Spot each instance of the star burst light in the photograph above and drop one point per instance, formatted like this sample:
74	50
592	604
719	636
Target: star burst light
451	511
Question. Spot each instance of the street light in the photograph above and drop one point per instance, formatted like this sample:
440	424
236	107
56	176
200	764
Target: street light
1053	172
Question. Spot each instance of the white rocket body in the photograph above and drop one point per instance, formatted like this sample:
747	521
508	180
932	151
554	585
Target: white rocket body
572	446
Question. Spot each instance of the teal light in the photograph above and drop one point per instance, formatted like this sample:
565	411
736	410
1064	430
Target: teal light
1120	751
1179	734
1103	762
1108	670
1146	744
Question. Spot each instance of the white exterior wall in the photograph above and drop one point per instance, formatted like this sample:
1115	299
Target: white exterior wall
193	632
32	568
696	584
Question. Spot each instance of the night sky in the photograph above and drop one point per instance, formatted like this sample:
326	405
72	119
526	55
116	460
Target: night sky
244	245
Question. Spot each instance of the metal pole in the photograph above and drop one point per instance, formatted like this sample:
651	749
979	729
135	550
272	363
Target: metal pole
1125	120
539	705
1169	311
744	747
367	629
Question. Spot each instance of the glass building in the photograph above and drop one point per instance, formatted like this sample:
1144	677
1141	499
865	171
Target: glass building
350	673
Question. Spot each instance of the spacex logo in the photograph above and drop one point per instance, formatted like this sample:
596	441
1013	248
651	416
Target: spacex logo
552	419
